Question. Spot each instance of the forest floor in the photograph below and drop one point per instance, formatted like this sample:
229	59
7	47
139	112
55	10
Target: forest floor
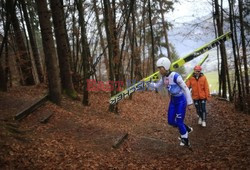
78	137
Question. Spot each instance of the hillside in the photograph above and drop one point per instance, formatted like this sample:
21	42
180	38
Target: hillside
78	137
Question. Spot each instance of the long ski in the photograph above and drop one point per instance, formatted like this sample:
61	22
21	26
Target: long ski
199	64
178	63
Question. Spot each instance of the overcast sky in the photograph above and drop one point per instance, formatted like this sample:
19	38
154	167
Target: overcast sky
187	10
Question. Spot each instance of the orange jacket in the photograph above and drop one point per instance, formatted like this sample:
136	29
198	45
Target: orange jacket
200	89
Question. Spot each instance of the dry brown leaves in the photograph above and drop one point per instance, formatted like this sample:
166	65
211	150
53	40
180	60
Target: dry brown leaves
78	137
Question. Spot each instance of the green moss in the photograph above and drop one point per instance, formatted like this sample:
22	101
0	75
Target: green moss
71	93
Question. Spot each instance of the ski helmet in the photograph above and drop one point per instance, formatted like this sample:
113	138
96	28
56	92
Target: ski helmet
197	68
163	62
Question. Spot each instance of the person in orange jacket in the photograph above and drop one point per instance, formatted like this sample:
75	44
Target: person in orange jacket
200	93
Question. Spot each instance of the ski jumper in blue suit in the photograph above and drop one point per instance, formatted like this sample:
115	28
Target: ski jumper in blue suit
180	98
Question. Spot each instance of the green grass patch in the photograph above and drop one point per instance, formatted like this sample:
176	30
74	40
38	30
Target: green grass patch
213	82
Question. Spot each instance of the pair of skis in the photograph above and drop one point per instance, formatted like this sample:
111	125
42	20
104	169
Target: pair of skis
178	63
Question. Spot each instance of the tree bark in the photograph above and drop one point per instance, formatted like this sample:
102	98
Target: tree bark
152	35
85	53
32	42
109	27
137	53
242	33
128	13
101	37
3	75
238	52
224	66
74	34
49	51
132	46
25	61
165	31
63	49
144	67
218	49
236	57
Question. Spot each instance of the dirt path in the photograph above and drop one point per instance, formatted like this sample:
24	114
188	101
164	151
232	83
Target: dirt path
78	137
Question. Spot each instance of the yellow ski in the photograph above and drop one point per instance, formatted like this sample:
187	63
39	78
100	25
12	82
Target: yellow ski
178	63
200	63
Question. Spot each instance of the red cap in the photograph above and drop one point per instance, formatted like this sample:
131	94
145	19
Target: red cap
197	68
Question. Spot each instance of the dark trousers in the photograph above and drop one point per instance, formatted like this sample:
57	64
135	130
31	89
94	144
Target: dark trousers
200	106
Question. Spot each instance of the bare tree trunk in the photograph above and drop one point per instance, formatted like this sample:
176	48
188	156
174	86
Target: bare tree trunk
9	8
85	53
238	51
34	24
165	31
224	66
32	42
152	35
144	40
74	33
109	27
3	71
218	50
25	61
128	13
115	41
137	53
14	74
101	37
76	45
148	60
29	52
132	46
49	51
236	57
242	31
63	49
223	69
114	31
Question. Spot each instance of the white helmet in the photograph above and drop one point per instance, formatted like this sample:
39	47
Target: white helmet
163	62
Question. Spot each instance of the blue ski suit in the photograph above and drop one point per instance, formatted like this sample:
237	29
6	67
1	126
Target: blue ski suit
180	98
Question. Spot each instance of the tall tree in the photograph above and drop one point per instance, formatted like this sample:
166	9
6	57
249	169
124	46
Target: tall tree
115	41
225	80
128	12
236	56
99	23
75	41
9	8
237	50
218	50
132	46
152	35
32	41
242	31
143	37
137	53
110	27
63	49
164	28
3	73
49	51
24	58
85	53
